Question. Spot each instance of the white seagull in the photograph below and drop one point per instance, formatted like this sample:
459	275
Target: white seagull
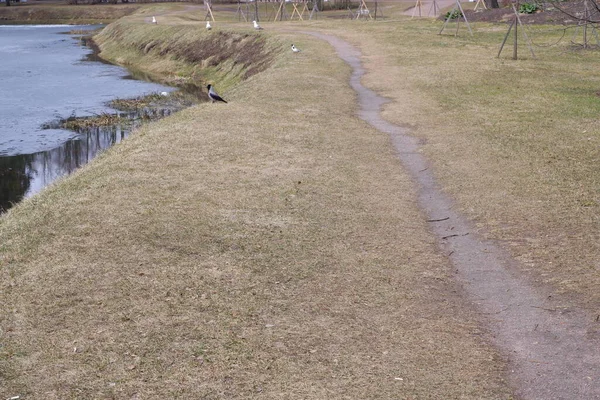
208	27
256	26
154	19
213	95
295	49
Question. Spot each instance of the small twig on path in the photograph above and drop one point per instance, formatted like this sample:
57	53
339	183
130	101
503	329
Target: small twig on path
449	236
438	220
547	309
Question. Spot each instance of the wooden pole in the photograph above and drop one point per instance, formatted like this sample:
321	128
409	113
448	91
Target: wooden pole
417	5
585	24
516	39
506	37
375	10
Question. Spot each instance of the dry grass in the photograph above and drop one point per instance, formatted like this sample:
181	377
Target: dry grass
47	13
517	143
179	53
267	248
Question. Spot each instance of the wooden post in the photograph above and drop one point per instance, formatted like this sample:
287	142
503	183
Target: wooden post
417	5
433	10
315	10
208	5
506	37
516	40
516	22
587	18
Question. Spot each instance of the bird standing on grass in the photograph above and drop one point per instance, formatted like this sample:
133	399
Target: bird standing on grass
213	95
295	49
257	26
208	27
154	19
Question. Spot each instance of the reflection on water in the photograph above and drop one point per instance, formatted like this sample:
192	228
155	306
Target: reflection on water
49	74
24	175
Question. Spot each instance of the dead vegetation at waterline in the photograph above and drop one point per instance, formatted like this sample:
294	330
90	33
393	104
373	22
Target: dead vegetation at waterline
175	100
105	119
134	111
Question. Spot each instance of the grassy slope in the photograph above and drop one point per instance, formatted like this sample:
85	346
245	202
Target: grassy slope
267	248
181	53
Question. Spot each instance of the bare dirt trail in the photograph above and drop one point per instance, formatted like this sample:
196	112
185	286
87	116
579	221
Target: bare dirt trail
553	350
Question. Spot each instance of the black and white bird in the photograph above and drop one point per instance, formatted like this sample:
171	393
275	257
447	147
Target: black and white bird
257	26
295	49
213	95
208	27
154	19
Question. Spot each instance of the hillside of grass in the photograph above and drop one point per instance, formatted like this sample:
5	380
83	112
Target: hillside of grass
181	53
266	248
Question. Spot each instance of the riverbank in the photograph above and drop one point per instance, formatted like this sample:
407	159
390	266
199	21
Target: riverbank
179	54
256	253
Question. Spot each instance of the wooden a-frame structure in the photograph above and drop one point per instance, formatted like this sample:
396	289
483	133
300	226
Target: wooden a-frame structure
457	8
209	14
480	3
300	13
363	11
281	12
433	10
515	23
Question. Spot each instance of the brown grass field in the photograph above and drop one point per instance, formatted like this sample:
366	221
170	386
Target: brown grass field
272	247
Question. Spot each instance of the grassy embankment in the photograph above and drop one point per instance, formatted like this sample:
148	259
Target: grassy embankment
266	248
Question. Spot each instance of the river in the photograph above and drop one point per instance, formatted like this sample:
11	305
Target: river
46	75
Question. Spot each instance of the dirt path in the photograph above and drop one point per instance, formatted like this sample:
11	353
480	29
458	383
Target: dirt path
553	351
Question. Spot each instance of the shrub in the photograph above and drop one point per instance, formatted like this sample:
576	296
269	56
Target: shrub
453	14
528	8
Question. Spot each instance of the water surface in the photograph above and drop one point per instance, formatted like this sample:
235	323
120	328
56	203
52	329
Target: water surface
46	76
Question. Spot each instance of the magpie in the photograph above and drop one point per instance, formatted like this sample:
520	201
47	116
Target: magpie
213	95
295	49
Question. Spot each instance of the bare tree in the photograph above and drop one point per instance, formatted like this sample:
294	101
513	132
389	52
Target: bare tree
590	13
